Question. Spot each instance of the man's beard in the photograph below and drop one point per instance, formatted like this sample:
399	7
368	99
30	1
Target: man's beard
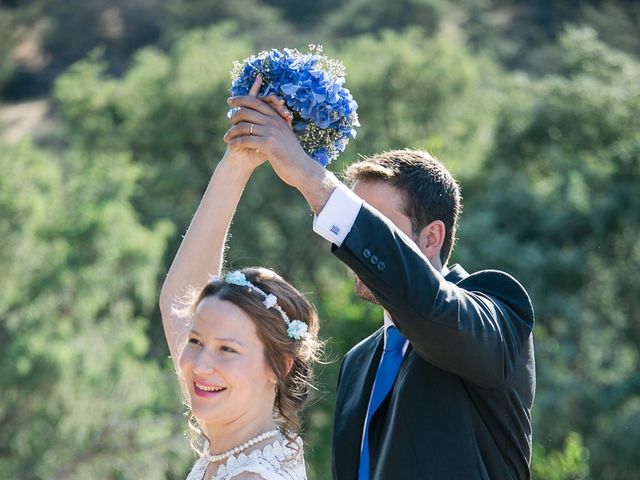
363	291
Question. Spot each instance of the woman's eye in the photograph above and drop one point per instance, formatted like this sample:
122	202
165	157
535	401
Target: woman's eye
195	341
224	348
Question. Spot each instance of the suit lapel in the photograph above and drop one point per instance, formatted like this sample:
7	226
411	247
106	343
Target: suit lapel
353	400
355	390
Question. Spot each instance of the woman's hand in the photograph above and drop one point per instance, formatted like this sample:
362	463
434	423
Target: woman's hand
260	125
251	157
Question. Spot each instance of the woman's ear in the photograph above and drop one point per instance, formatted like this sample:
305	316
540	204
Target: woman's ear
430	241
289	364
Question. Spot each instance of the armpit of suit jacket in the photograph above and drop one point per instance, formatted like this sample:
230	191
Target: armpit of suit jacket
461	404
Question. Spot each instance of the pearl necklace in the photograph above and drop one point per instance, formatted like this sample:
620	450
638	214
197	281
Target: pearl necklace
240	448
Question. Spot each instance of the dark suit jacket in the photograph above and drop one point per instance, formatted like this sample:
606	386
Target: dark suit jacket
460	407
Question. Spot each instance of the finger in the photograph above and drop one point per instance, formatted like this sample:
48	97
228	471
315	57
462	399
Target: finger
249	116
279	105
243	129
255	88
250	143
273	98
254	103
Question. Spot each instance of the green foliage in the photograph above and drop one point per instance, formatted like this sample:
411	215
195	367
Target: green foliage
549	164
356	17
568	464
420	92
6	46
558	204
70	30
79	398
524	35
253	15
168	111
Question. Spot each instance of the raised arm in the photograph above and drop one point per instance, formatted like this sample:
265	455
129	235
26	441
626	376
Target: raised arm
201	251
476	328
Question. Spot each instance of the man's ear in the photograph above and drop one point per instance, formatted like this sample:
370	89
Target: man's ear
431	239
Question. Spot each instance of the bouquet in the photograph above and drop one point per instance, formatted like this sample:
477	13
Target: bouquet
324	112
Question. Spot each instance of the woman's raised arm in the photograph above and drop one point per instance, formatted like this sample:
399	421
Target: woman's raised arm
202	249
201	252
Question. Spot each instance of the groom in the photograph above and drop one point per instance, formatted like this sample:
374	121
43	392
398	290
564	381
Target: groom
444	389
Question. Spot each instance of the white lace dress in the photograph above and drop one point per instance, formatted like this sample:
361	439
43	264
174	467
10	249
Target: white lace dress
276	461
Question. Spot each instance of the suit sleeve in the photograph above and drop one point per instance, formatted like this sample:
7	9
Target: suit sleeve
475	329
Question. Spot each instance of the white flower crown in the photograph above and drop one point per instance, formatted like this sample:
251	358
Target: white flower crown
296	329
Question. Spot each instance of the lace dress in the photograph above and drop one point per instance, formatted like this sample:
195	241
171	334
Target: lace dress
275	461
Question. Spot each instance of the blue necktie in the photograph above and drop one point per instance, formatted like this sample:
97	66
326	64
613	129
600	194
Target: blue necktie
386	376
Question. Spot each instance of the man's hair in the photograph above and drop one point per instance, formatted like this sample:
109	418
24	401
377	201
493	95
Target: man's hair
430	191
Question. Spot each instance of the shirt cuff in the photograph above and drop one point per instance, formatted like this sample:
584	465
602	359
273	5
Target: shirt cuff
336	218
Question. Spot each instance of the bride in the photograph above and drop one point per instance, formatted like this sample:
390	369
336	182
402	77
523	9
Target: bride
242	343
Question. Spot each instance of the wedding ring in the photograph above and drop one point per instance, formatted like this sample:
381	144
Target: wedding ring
251	128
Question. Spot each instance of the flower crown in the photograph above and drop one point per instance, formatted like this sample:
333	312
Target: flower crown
296	329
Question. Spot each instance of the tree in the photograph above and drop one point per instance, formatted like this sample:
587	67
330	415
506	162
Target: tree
557	204
79	397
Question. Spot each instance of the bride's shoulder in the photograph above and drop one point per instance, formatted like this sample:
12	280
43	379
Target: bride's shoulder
247	476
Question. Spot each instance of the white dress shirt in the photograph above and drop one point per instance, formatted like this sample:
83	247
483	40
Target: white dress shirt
338	215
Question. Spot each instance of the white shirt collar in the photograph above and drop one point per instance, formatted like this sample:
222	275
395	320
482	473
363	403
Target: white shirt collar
388	322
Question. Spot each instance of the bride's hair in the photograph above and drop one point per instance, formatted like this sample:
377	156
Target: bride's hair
294	385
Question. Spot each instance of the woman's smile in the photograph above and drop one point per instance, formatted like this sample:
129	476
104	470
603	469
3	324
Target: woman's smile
225	368
206	390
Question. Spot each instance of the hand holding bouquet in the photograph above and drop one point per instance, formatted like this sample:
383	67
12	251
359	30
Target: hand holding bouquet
312	86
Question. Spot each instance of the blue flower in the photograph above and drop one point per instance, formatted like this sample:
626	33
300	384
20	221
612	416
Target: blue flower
237	278
313	88
322	157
